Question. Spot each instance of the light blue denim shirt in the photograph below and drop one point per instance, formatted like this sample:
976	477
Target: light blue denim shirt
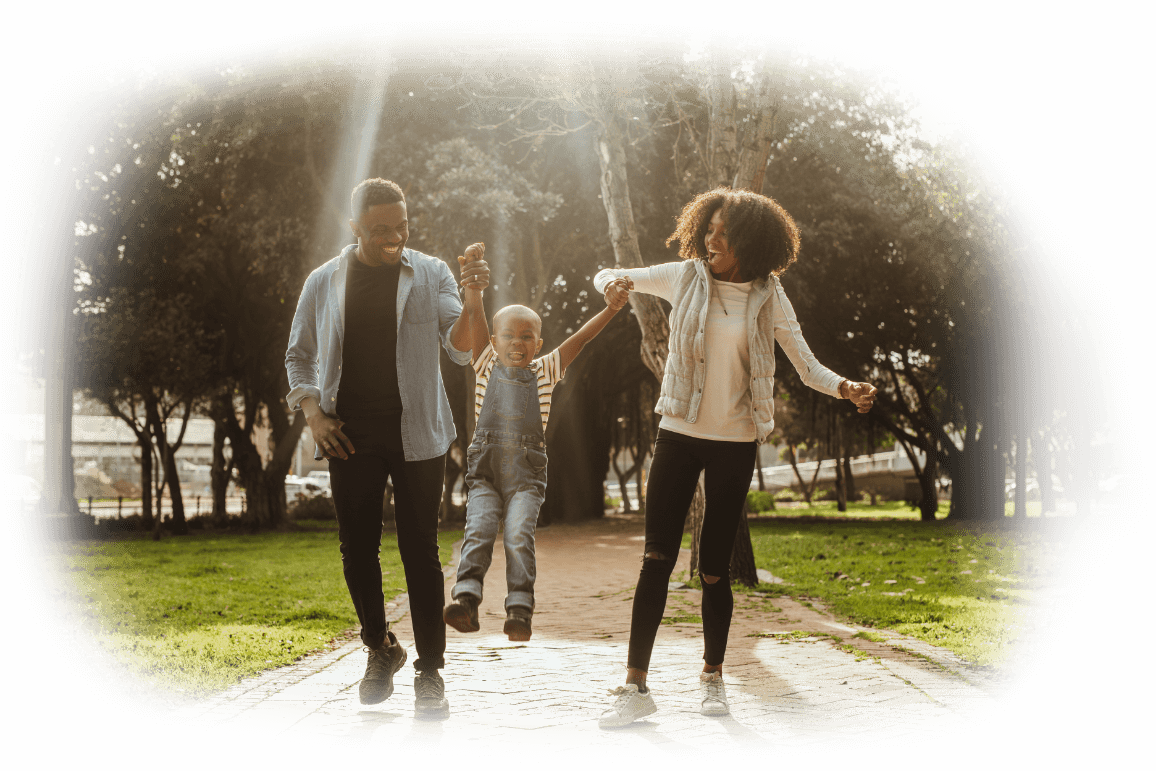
427	307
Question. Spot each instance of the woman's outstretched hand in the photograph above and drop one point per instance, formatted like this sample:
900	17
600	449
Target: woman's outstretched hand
618	292
862	395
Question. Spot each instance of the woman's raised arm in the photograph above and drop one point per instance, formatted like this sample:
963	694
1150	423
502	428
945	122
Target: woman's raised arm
657	280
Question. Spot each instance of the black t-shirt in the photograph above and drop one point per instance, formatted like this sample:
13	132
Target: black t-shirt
368	392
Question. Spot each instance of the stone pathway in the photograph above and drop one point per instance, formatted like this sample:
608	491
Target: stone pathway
795	675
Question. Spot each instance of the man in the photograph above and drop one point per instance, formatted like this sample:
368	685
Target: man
363	367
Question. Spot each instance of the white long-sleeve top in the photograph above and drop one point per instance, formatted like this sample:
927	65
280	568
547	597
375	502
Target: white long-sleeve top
726	410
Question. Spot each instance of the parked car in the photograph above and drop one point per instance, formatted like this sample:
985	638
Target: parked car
305	487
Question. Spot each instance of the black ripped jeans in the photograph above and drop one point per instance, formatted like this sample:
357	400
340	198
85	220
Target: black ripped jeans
678	459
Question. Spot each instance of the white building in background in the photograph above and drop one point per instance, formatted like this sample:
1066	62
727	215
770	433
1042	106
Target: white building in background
105	449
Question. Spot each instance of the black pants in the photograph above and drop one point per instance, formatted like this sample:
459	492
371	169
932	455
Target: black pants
359	495
678	460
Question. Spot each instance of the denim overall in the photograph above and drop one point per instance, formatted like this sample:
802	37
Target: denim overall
506	475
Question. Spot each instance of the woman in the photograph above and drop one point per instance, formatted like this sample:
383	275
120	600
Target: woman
717	406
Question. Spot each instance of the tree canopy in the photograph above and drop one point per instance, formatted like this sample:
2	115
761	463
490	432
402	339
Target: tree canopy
210	199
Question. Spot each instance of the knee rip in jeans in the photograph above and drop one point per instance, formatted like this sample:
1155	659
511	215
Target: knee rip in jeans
709	580
654	557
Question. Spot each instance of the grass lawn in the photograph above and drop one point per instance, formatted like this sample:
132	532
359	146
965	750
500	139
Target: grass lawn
883	509
953	585
200	612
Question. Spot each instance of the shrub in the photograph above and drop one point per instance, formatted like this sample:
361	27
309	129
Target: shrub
759	501
787	494
315	507
611	503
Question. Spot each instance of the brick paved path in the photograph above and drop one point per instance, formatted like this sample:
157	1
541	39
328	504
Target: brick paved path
787	687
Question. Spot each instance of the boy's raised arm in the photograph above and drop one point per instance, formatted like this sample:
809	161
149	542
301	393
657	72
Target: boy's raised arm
570	349
472	305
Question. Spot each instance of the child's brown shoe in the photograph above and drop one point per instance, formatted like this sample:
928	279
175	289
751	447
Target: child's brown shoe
517	626
462	614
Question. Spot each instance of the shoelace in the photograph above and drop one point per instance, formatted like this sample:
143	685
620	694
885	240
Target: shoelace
624	694
714	691
378	662
427	688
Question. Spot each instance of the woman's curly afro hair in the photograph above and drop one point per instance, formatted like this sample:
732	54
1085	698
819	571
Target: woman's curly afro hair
763	236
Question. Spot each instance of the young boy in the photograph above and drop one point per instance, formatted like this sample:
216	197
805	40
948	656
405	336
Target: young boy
506	462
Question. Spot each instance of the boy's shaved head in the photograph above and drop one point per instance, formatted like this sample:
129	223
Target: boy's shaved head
520	312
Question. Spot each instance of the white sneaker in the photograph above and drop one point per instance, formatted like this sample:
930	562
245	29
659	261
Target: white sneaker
714	694
628	707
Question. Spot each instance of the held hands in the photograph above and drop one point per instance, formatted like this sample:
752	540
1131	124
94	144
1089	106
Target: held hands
475	271
618	292
862	395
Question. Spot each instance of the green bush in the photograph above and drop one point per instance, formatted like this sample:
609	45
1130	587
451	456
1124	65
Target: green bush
315	507
611	503
787	494
759	501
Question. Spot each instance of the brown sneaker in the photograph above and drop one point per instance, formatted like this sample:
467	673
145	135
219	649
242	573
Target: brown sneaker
517	626
384	661
462	614
429	691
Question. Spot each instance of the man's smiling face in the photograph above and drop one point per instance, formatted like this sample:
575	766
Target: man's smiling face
381	233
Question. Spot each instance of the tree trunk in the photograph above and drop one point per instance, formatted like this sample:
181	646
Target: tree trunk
758	139
388	509
743	569
578	437
1044	475
180	525
264	486
168	461
723	140
160	472
840	482
929	503
977	484
694	526
806	493
146	479
219	473
848	477
449	512
59	490
1020	512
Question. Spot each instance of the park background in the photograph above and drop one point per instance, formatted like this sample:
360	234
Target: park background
1094	284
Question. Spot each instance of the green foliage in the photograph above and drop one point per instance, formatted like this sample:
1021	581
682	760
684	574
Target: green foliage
199	613
759	501
312	508
787	495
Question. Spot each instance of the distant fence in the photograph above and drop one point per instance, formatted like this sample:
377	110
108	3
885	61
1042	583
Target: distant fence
886	472
195	505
